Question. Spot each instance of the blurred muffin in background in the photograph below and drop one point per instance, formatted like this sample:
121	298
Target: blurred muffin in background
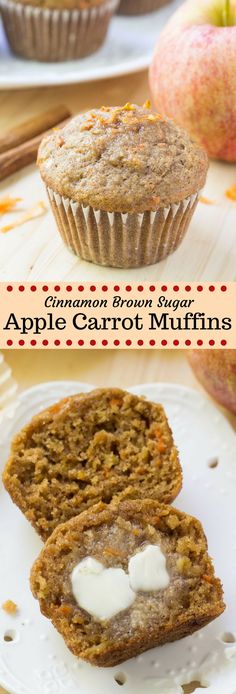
216	371
56	30
135	7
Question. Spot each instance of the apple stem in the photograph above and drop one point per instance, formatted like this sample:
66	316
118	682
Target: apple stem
226	13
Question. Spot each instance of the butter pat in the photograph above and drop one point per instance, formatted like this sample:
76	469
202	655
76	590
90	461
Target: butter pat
147	570
102	592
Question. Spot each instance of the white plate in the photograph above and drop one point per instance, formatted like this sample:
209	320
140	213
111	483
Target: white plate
128	48
8	388
36	660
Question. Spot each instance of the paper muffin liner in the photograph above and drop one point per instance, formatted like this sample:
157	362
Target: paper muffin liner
135	7
55	35
121	240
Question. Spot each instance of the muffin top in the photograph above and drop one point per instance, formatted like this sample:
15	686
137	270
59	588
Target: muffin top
122	159
63	4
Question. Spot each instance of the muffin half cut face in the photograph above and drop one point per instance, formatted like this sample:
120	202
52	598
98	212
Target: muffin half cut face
124	578
91	448
123	183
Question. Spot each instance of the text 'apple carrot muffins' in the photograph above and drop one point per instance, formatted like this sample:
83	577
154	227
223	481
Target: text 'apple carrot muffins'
118	580
123	184
137	7
90	448
56	30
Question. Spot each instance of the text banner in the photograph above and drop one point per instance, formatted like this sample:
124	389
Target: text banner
118	316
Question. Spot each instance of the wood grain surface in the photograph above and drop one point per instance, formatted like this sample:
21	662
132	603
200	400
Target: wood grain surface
121	368
35	251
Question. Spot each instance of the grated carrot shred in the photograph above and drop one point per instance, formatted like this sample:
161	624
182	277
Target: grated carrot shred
147	104
208	579
8	204
36	211
112	552
206	201
231	193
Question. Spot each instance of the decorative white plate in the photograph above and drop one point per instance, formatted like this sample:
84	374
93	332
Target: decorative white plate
128	48
8	388
36	659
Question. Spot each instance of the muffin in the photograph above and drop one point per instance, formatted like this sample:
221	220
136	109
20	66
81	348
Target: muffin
90	448
56	30
123	184
118	580
136	7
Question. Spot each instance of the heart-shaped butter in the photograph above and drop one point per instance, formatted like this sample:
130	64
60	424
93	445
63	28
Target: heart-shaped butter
101	592
147	570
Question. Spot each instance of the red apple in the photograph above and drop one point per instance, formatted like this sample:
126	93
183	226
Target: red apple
216	371
193	73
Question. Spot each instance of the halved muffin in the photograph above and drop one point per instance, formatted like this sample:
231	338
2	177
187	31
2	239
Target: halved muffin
120	579
88	448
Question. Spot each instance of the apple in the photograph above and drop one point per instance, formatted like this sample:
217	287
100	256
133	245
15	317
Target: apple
216	371
193	73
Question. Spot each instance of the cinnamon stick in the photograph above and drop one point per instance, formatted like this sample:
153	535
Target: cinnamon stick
18	157
30	128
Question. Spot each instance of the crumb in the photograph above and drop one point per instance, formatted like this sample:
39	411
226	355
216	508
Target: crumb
183	565
10	607
173	521
112	552
231	193
208	579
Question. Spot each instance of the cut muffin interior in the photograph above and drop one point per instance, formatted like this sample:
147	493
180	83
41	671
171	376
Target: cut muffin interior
106	627
90	448
137	7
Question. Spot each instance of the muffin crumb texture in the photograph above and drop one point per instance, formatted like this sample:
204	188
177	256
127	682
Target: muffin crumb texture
192	597
88	448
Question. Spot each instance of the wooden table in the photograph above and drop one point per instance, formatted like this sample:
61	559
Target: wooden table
35	252
121	368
